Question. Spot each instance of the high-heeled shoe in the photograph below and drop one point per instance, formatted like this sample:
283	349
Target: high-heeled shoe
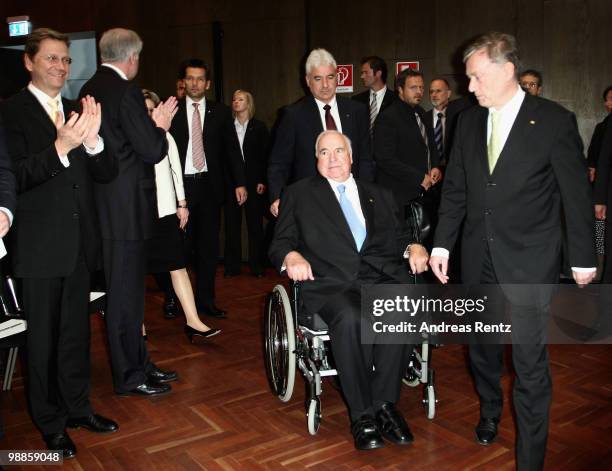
190	332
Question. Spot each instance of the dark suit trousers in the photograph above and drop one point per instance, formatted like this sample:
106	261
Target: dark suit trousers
532	391
253	209
364	390
202	236
58	347
124	267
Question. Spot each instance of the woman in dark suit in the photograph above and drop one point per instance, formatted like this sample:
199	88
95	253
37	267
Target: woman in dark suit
253	137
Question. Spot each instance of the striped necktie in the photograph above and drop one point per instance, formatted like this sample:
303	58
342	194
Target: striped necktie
438	135
425	139
197	139
373	111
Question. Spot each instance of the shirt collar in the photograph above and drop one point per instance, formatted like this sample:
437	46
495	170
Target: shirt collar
380	93
515	102
116	69
320	104
189	102
349	182
42	96
237	123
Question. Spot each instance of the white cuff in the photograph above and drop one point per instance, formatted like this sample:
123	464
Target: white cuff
96	150
576	269
8	213
439	252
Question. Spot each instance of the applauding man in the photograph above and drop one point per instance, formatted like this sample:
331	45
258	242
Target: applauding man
56	152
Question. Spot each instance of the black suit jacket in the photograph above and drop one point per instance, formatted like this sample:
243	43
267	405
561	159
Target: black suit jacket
56	215
596	142
221	145
255	153
293	154
311	222
400	151
8	185
388	98
516	211
126	205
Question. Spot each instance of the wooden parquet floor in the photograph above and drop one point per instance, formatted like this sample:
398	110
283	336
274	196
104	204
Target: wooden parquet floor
222	416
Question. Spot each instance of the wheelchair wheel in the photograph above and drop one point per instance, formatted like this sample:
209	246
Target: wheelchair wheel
411	378
314	416
280	344
429	401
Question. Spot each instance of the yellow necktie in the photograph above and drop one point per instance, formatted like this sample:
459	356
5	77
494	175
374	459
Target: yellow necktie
54	106
494	146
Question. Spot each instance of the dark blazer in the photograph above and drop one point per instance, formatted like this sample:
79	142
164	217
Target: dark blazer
8	185
596	142
221	146
126	205
311	222
293	153
400	152
388	98
454	108
602	193
516	210
255	151
56	214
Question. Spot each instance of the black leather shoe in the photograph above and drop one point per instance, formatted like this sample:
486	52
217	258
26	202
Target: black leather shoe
212	311
190	332
171	309
148	389
392	425
366	434
158	376
61	442
486	431
94	423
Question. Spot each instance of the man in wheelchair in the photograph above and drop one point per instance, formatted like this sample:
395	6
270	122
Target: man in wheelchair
334	234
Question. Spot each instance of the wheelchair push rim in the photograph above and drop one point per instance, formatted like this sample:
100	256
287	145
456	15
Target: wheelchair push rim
280	344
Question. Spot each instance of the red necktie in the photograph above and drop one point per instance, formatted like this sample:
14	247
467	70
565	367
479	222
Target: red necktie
330	124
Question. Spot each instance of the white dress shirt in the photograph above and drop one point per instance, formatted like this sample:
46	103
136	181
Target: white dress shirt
241	132
508	114
189	168
333	110
169	180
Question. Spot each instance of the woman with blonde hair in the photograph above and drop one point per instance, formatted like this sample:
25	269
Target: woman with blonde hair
253	137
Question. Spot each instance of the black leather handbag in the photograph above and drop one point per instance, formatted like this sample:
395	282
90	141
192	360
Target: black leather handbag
417	219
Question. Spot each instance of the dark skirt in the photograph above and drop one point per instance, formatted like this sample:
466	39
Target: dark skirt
165	250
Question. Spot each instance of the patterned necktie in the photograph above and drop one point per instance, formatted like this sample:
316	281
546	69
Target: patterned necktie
330	124
373	111
438	135
54	106
197	139
494	146
424	136
357	228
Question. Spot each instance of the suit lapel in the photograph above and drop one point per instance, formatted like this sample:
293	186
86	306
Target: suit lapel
521	128
38	113
315	116
367	207
329	206
481	139
345	117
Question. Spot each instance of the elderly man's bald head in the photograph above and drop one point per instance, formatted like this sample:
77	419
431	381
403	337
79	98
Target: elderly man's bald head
334	155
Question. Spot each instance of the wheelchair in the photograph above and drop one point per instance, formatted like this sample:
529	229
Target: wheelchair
295	340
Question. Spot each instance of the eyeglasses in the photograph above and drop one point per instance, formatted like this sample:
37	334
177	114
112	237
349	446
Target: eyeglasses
54	60
530	84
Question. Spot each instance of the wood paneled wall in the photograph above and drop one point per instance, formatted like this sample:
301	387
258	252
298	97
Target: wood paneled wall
265	40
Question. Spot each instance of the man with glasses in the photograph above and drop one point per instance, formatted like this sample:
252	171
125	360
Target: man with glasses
56	154
531	82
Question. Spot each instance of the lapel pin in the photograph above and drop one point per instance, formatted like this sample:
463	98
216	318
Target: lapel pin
532	122
371	200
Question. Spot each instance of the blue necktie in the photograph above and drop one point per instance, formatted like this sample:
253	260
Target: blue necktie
357	228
